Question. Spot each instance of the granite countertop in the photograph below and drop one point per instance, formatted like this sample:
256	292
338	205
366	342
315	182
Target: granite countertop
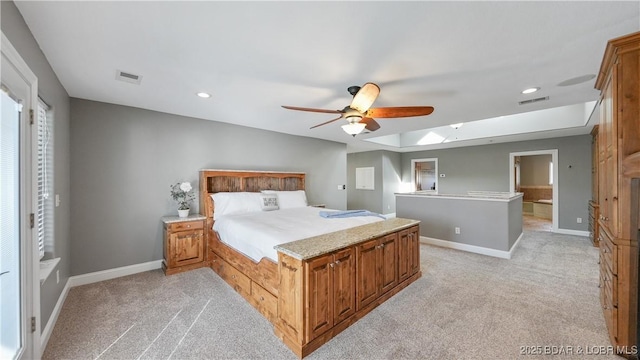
472	195
174	218
323	244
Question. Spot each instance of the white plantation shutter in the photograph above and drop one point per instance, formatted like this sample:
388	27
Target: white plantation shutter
44	215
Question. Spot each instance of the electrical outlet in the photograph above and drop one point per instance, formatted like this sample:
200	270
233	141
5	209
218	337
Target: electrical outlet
57	276
457	230
339	187
57	200
579	220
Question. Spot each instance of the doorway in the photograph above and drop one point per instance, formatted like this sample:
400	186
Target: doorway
424	175
540	202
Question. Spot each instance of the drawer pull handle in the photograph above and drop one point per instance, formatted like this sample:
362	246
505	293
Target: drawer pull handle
188	225
261	298
331	264
337	262
233	276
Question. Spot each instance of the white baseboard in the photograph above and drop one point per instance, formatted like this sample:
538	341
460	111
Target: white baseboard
103	275
48	329
572	232
515	244
471	248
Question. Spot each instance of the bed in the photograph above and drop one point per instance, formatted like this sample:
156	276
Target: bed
293	287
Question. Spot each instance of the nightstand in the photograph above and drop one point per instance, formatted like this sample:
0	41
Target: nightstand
183	244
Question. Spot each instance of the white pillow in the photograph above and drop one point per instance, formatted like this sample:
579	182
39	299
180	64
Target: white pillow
229	203
269	202
289	199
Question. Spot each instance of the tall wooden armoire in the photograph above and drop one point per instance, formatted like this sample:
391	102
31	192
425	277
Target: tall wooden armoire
618	182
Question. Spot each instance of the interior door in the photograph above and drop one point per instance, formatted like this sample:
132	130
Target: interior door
11	341
18	255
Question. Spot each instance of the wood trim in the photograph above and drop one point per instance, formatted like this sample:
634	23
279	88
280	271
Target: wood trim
631	166
179	269
615	47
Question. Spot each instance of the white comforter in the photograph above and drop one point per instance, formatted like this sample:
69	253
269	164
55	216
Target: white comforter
256	233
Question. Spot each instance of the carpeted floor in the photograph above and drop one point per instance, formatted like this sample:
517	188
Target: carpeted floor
465	306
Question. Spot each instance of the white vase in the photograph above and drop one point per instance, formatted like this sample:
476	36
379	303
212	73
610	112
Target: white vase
183	213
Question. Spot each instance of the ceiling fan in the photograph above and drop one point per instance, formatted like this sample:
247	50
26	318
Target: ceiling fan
359	113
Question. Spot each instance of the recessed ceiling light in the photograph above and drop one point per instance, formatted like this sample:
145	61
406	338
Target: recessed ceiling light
456	126
530	90
204	95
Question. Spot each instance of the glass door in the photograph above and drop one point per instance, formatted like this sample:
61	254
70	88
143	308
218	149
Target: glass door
19	287
11	342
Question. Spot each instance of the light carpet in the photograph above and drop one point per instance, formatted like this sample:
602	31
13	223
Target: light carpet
465	306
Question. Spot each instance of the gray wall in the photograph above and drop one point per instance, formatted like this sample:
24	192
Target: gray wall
387	181
51	91
534	170
124	160
486	167
391	174
488	224
364	199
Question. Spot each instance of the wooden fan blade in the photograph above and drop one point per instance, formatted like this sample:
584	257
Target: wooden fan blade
312	110
365	97
372	125
327	122
402	111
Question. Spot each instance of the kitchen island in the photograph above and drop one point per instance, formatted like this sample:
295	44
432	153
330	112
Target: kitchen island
328	282
488	223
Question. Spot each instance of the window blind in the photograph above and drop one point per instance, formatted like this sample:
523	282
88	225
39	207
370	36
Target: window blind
44	223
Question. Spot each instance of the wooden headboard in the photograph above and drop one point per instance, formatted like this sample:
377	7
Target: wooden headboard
214	181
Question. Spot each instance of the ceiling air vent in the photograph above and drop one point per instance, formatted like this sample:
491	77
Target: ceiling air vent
128	77
531	101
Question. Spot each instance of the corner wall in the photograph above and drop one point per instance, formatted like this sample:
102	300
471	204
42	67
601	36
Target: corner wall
387	166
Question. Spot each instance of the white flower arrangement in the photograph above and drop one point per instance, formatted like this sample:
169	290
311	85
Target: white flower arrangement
181	192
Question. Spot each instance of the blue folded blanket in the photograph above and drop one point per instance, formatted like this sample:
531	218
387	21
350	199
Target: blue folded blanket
348	213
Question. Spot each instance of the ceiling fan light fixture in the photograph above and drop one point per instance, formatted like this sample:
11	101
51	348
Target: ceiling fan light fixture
353	128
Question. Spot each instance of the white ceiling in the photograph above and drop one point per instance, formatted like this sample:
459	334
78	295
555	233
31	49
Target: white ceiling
469	60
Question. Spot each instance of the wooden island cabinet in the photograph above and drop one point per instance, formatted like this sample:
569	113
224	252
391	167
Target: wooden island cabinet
321	295
377	268
331	290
